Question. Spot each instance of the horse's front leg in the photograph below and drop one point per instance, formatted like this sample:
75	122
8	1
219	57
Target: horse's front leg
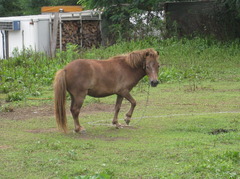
133	105
117	109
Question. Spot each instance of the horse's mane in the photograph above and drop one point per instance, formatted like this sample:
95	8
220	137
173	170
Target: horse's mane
136	58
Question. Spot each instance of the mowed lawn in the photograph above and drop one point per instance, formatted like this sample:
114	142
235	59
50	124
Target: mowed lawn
180	131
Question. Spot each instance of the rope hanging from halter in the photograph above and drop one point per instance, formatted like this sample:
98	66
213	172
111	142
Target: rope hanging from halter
135	122
145	108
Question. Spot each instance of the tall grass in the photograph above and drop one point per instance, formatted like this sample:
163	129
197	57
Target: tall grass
184	59
29	73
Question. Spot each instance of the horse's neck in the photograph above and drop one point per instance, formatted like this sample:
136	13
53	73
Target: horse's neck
138	74
132	75
141	73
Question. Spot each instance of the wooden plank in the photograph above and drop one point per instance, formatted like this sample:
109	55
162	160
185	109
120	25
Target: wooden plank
50	9
54	34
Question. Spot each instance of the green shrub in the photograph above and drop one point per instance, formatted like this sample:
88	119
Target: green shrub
15	96
182	60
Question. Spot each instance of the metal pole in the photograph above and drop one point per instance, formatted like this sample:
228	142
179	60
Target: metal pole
50	35
3	43
23	46
7	44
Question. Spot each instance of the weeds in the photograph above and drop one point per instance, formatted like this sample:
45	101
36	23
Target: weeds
102	175
15	96
220	165
28	72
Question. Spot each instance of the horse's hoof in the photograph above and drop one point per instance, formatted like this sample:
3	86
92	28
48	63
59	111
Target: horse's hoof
118	126
127	121
75	132
80	131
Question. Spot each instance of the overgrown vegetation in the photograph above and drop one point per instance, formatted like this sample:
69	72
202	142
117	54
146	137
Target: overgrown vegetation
28	74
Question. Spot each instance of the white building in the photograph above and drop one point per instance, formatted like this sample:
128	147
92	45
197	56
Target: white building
35	32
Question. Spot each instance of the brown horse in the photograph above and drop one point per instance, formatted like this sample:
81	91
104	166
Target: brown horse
100	78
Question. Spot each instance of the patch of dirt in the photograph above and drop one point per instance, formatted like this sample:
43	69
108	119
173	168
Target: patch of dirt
220	131
228	90
97	107
4	147
101	137
35	131
48	111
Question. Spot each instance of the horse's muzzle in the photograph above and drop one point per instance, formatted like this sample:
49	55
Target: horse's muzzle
154	83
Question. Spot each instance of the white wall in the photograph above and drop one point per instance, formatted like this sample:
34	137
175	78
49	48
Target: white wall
34	34
44	36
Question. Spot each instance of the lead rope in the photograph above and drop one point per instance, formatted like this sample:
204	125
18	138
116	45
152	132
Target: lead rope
135	122
145	108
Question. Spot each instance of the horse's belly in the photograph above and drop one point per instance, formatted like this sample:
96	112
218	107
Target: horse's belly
103	87
98	93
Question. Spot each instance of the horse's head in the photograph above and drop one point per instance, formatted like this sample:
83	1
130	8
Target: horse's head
152	66
148	60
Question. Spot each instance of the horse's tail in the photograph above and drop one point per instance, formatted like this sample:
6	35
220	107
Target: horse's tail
60	100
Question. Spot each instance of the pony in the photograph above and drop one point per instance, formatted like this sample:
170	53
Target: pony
101	78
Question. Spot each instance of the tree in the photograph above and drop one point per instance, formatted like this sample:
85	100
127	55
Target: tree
29	7
117	14
9	8
230	13
233	6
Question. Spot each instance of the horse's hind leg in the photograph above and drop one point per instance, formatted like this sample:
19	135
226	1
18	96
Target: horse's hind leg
117	109
76	104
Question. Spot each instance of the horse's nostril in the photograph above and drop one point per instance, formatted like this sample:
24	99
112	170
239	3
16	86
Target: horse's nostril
154	83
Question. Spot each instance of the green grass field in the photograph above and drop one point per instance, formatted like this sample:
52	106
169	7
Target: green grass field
173	140
188	127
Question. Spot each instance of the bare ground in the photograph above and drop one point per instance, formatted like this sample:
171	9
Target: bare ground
46	111
25	113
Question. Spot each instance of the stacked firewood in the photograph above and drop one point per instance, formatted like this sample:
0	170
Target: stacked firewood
70	33
87	37
91	34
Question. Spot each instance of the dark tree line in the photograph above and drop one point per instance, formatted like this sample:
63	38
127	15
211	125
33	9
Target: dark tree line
116	13
29	7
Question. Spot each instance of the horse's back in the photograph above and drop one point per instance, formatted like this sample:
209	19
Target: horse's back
86	68
99	77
